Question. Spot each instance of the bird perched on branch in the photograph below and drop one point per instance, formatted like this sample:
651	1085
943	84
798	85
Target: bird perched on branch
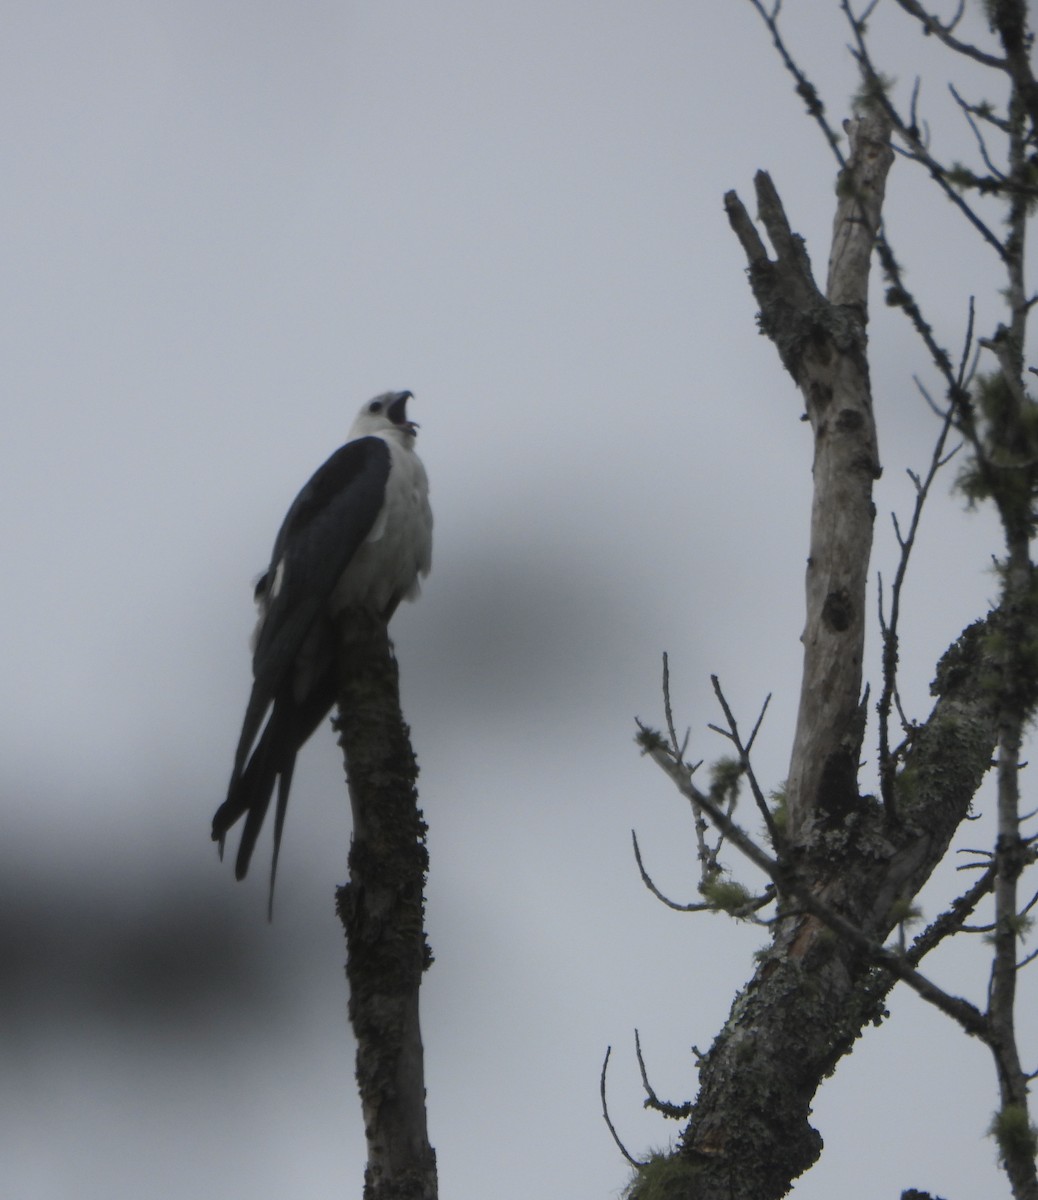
358	536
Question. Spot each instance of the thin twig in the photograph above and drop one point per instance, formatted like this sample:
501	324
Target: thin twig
698	906
805	89
707	857
605	1113
675	1111
889	625
944	33
744	756
1029	905
968	112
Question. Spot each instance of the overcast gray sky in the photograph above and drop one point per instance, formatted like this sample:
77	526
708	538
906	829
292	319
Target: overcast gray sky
226	226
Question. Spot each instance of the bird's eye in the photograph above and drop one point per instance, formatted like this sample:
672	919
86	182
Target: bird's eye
374	406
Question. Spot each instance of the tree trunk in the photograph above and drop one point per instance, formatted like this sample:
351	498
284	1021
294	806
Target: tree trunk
822	342
382	912
749	1134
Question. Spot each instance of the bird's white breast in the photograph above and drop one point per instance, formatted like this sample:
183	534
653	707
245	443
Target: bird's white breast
387	566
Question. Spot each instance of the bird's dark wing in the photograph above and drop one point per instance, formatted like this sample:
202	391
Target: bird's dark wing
327	523
324	528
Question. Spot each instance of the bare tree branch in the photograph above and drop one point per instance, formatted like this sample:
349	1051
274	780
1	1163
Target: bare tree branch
821	340
673	1111
790	885
696	906
945	34
889	625
382	912
605	1113
732	734
909	134
805	89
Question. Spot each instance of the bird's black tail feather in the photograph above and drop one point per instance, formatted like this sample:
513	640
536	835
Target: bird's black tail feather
272	762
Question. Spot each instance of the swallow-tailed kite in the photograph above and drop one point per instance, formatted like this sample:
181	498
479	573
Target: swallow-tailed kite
357	536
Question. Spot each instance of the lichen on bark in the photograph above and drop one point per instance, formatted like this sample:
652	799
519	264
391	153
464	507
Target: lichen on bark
382	912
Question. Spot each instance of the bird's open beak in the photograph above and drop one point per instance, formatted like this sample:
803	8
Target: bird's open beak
397	412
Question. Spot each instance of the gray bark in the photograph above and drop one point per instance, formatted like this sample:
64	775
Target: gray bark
822	342
382	912
749	1134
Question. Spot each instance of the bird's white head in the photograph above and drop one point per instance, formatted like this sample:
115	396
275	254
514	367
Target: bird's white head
386	414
